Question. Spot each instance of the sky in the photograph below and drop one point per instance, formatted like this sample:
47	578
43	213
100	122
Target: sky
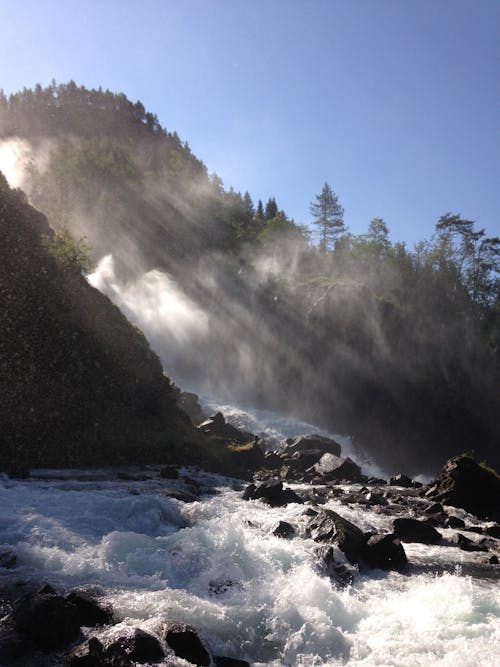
394	103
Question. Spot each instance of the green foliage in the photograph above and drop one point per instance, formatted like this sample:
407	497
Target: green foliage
328	216
70	255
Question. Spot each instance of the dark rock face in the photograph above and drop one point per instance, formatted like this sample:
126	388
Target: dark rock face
84	374
302	443
466	484
493	531
47	619
330	527
169	472
465	544
271	492
90	613
401	480
385	552
331	467
216	427
189	403
185	643
454	522
139	647
412	530
223	661
88	654
284	529
8	559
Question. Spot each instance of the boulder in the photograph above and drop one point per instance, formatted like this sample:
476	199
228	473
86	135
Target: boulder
185	643
169	472
413	530
217	428
385	552
493	531
88	654
336	571
331	467
90	612
454	522
46	618
271	492
312	441
465	544
223	661
8	559
284	529
469	485
139	646
401	480
328	526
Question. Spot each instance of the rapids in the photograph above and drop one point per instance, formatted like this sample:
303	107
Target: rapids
215	564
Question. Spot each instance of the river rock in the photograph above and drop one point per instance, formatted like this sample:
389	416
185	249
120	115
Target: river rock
401	480
466	544
330	527
217	428
331	467
223	661
312	441
46	618
466	484
284	529
271	492
493	531
454	522
385	552
412	530
185	643
87	654
90	612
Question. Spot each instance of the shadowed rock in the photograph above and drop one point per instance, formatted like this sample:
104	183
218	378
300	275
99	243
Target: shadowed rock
412	530
331	467
185	643
330	527
385	552
302	443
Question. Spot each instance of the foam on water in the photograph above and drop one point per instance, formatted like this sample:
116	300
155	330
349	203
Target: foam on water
216	565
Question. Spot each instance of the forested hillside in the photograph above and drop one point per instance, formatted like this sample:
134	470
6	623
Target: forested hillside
398	347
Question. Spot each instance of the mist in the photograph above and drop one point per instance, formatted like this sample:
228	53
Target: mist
368	339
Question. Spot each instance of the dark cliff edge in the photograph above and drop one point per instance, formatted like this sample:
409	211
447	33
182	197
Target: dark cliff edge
79	384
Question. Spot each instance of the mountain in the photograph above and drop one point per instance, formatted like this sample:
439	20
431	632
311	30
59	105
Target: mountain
398	348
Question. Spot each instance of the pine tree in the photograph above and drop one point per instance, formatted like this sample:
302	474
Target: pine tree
271	208
328	215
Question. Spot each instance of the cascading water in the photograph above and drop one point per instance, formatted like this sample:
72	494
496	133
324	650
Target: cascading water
214	563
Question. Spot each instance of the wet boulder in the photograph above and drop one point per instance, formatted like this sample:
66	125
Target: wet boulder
90	612
87	654
223	661
385	552
8	559
272	493
469	485
330	527
334	468
413	530
46	618
312	441
342	575
466	544
284	529
454	522
217	428
185	643
402	480
493	531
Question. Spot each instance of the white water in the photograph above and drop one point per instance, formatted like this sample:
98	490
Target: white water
215	564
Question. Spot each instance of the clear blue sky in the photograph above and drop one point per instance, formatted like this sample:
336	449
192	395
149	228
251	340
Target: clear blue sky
393	102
